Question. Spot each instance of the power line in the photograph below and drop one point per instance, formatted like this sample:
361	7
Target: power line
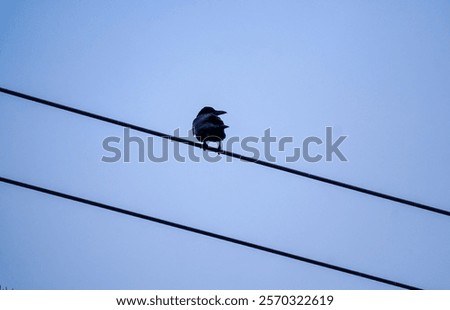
227	153
205	233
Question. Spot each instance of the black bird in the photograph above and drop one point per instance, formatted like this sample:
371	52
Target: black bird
208	126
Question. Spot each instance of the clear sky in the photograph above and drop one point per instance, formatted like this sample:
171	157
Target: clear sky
377	72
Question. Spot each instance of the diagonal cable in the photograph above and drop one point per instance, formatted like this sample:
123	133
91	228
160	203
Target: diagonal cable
227	153
207	233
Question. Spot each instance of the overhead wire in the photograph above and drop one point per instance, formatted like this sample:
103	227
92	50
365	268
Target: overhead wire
206	233
227	153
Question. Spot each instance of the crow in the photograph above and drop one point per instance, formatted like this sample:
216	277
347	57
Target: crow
208	126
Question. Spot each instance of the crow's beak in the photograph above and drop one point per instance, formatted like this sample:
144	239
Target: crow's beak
219	112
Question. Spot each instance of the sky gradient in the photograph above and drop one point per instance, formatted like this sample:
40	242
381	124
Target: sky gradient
376	72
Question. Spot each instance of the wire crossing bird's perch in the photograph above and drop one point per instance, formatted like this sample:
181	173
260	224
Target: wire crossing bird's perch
227	153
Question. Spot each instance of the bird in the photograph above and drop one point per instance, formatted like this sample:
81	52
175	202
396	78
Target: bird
208	126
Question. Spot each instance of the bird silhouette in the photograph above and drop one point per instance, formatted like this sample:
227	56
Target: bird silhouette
208	126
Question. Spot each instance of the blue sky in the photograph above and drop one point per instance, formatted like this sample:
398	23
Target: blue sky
377	72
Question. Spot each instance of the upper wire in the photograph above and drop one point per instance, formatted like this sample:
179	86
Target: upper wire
228	153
